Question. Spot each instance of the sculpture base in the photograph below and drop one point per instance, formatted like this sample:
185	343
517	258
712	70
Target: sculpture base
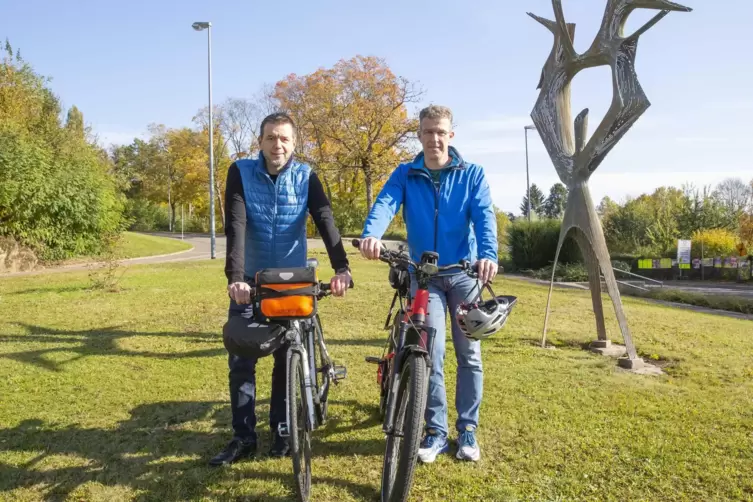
605	348
638	366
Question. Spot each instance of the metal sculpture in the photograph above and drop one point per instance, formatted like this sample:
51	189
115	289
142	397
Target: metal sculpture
565	141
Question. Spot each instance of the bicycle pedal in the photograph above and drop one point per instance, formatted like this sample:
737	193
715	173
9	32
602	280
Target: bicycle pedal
340	372
373	359
282	429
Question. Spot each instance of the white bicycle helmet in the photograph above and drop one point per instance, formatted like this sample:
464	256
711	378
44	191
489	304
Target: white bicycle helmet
481	319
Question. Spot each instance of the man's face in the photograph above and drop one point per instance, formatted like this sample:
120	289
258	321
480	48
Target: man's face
435	135
277	144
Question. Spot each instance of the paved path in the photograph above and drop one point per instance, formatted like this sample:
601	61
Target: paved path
201	251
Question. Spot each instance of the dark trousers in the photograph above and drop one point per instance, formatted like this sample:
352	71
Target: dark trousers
242	378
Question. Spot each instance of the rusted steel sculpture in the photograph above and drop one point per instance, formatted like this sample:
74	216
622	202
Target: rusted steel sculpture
573	158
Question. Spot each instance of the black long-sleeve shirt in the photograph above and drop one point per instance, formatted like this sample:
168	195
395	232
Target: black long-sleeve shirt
235	224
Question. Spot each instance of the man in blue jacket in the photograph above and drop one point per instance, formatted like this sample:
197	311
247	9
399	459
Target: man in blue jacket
267	203
447	209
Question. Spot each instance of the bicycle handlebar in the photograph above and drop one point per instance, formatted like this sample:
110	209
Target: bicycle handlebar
325	289
389	256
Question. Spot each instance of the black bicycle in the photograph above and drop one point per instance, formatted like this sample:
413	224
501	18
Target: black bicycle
403	369
290	296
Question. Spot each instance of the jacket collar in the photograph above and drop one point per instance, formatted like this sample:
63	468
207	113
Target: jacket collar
456	161
262	165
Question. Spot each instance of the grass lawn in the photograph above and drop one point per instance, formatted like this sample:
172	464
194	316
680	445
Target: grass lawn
136	245
123	396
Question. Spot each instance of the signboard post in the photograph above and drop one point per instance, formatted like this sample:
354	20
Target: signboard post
683	254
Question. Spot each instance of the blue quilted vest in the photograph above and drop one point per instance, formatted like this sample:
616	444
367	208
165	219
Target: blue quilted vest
276	215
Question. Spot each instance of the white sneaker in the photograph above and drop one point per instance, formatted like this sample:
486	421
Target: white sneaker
432	445
468	448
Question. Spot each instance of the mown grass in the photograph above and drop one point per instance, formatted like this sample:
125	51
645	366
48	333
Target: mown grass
134	245
123	396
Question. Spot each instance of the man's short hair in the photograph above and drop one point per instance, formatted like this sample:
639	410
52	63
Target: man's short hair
276	118
434	112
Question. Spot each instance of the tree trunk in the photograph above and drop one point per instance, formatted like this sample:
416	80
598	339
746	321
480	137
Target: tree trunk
171	216
367	179
221	208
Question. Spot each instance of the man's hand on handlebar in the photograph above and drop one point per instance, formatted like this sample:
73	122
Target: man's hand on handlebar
487	270
370	248
340	283
240	292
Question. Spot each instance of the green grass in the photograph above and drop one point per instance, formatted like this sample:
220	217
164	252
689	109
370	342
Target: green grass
123	396
136	245
730	303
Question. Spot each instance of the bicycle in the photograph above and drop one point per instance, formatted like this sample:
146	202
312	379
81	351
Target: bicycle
402	371
306	398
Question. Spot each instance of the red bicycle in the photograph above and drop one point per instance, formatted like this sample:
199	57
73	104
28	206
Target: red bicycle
403	369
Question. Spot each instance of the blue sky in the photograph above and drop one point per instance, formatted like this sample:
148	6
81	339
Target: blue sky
129	64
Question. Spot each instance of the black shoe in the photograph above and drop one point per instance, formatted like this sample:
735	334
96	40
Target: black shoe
280	446
235	450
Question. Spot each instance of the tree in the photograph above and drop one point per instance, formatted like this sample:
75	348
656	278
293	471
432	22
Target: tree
735	196
537	202
503	239
55	193
554	206
352	121
746	229
701	212
606	208
220	152
75	122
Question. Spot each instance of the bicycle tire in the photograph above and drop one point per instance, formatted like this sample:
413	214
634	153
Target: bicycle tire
387	367
400	454
300	436
323	406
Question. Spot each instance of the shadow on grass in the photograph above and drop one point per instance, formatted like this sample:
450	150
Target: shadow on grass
358	342
97	342
158	453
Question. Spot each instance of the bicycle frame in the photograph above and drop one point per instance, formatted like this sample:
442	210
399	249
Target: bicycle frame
414	337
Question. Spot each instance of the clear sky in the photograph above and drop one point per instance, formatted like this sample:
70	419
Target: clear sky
129	64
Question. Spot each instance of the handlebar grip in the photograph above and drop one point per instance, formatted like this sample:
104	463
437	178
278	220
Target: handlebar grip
356	243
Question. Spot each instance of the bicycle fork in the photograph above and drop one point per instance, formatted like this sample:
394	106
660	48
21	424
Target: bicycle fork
388	427
283	429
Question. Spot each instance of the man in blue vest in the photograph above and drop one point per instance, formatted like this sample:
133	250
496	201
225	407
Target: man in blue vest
267	203
447	209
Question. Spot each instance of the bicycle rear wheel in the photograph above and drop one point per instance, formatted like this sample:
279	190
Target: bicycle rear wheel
402	446
300	435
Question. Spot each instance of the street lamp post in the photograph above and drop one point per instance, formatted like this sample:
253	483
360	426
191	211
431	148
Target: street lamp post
200	26
528	182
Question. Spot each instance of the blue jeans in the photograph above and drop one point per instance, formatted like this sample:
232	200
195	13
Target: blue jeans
450	291
242	378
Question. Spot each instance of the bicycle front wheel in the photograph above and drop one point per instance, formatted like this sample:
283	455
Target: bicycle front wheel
300	435
402	446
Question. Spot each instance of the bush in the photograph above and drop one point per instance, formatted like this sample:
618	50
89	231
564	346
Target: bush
533	245
568	272
57	200
715	242
145	216
719	302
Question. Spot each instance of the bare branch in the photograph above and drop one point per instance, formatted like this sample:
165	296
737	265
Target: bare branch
581	129
643	29
548	24
566	38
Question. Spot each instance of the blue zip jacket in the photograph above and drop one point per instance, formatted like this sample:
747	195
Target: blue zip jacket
276	215
457	221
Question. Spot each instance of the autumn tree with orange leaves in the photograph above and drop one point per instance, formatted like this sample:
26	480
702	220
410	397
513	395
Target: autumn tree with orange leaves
353	121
